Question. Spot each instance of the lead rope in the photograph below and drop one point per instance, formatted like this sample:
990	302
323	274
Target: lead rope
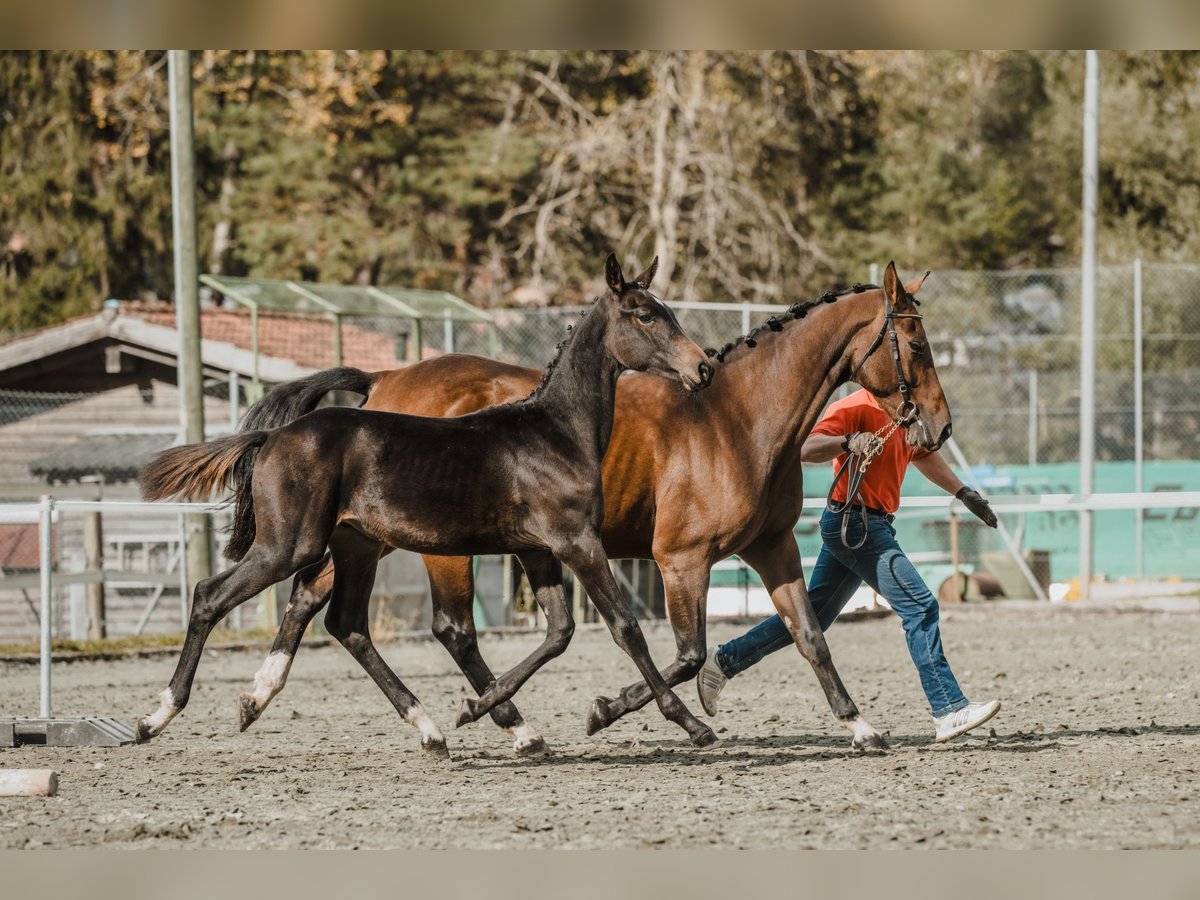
855	468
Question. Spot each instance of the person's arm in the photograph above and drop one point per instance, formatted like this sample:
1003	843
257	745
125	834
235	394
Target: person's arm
819	448
933	467
939	472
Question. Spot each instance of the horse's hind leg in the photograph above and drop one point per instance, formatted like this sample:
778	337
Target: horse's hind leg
310	593
355	558
545	577
453	587
686	583
214	598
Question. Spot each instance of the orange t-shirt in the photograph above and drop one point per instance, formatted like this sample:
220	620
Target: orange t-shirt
861	412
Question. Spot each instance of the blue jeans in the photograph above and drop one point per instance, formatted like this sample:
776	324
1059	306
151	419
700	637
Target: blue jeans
837	575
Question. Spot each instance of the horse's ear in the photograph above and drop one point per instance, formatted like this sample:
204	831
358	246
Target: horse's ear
643	280
612	274
891	281
915	285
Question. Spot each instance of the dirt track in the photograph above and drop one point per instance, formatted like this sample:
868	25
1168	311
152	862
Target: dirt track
1098	746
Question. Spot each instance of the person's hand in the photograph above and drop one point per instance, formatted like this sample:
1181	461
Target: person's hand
863	443
975	502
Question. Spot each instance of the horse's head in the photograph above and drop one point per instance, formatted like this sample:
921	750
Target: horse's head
892	357
644	335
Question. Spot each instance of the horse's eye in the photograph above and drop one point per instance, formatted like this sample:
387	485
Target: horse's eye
645	318
917	346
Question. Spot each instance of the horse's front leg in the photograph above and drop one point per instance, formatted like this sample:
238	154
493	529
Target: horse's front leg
685	578
776	559
545	577
587	560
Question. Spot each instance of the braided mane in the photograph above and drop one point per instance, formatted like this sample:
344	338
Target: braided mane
776	323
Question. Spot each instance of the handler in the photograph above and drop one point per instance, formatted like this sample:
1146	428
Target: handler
849	426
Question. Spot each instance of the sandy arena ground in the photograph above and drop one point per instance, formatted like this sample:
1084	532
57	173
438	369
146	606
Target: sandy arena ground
1098	746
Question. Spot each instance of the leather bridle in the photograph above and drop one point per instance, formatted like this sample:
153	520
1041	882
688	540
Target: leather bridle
908	409
856	464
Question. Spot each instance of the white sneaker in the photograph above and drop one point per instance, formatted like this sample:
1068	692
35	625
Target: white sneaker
710	682
963	720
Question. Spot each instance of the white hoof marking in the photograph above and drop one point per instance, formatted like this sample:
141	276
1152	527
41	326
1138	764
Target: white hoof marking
524	735
419	719
167	710
270	678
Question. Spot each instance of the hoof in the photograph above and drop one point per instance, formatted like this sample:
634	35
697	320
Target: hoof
599	716
466	714
248	711
706	739
435	748
536	747
871	743
142	733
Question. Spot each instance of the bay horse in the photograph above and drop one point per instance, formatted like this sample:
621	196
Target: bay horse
686	484
520	478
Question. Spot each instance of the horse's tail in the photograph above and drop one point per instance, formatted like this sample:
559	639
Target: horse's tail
282	405
197	471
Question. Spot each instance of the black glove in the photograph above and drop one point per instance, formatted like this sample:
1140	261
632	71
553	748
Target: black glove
973	500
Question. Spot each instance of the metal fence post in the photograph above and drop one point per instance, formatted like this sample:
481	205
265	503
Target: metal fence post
1138	436
183	570
447	332
45	536
235	401
1033	417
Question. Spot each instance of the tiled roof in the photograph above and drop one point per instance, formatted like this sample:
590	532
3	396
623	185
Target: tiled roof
306	339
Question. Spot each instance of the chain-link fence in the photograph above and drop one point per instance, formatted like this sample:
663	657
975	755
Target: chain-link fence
1007	346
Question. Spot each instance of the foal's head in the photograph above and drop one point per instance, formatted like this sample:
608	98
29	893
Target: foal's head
644	335
926	414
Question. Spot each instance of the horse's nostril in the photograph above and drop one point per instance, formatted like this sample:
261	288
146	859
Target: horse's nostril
706	373
945	434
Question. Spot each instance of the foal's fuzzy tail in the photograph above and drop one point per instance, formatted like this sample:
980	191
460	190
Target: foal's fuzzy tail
281	406
197	471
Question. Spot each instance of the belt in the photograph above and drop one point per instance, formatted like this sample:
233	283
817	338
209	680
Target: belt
886	516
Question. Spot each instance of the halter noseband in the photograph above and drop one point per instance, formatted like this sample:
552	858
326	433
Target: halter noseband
908	409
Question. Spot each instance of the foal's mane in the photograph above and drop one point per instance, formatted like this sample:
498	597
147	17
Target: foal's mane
776	323
558	352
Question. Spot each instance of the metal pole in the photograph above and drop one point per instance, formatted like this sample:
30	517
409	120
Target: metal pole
1138	436
417	343
45	561
745	318
235	400
255	380
447	332
183	218
506	591
1033	417
183	570
337	340
954	555
873	275
187	275
1087	362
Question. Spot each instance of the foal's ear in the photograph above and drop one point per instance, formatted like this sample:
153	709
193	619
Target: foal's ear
643	280
915	285
612	274
891	281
